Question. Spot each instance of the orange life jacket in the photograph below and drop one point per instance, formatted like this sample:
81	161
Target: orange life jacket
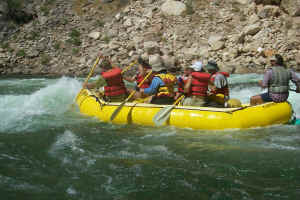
223	90
115	85
200	82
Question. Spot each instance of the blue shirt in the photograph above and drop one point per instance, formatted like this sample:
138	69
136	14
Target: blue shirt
155	84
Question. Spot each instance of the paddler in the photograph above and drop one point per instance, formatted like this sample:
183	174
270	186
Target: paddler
196	86
110	82
218	84
162	84
182	80
276	79
143	69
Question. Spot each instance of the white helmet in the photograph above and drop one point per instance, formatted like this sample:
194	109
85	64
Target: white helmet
197	66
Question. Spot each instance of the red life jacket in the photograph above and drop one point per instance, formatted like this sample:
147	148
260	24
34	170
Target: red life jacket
223	90
182	83
146	83
200	82
115	85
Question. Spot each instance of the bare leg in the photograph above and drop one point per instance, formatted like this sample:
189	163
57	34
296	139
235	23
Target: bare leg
256	100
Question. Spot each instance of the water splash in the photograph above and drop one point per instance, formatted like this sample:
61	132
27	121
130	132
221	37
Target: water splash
67	140
21	111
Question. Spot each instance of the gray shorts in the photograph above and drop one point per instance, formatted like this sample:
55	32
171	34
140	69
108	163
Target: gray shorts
194	101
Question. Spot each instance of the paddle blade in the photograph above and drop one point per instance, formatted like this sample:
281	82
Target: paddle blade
162	115
116	111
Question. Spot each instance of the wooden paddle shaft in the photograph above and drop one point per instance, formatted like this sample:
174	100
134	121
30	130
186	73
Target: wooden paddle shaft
139	85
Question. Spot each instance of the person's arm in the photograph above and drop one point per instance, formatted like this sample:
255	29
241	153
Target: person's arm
89	86
295	79
100	82
153	86
96	84
129	79
188	84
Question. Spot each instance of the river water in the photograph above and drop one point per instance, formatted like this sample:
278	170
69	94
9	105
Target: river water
48	150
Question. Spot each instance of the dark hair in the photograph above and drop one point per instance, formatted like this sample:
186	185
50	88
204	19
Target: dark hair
279	60
213	63
106	64
174	69
142	62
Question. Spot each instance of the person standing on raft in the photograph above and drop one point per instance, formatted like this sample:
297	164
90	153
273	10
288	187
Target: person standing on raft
276	79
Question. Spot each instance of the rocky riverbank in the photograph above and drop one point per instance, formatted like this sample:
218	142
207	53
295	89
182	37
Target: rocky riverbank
62	37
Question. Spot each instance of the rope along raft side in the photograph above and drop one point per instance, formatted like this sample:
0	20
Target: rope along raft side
205	118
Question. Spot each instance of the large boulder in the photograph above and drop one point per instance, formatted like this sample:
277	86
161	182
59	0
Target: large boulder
268	2
244	2
216	41
171	7
268	11
291	6
252	29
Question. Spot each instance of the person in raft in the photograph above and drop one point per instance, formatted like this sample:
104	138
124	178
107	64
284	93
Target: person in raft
182	80
162	84
110	82
196	86
276	79
218	84
143	69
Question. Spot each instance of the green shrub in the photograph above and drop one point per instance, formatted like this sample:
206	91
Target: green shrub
45	10
33	35
75	51
45	59
56	46
74	33
74	38
14	4
65	21
5	45
189	7
99	23
106	39
50	1
74	41
11	25
21	53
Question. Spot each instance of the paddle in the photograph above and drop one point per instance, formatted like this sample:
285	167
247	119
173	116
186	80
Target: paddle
92	71
118	109
163	114
90	74
129	66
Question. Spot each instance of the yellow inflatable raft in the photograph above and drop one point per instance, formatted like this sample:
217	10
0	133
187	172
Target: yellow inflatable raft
205	118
